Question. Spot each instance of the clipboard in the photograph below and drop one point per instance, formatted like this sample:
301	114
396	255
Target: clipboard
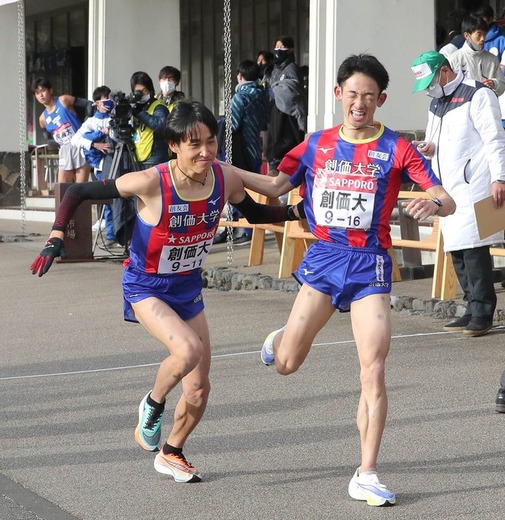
489	219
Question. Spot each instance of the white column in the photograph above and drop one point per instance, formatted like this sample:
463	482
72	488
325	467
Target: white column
10	78
394	31
96	47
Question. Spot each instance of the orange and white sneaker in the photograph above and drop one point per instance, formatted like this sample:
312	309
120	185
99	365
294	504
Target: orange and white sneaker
177	467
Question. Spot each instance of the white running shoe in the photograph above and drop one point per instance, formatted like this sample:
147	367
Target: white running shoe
366	486
267	350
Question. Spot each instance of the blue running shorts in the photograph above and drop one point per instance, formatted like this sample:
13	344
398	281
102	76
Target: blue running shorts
343	274
182	293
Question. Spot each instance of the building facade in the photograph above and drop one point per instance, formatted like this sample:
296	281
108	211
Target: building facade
80	44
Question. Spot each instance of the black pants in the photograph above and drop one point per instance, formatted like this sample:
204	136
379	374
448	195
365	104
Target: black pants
474	269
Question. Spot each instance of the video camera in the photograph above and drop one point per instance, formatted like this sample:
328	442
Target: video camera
121	114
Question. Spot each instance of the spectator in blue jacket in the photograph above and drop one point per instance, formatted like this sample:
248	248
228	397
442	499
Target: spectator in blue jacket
249	116
249	110
495	40
92	139
495	44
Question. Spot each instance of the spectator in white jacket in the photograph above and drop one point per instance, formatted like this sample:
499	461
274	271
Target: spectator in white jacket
475	62
466	142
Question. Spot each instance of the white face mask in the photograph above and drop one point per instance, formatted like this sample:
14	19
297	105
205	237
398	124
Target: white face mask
475	46
145	98
167	87
435	90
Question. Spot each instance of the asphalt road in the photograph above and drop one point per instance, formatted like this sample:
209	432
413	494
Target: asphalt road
72	374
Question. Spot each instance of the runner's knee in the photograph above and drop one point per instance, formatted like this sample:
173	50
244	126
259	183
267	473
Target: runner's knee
188	353
372	376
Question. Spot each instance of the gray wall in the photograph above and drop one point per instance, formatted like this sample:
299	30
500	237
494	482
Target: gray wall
9	121
394	31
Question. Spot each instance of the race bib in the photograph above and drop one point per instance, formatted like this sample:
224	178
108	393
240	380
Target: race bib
344	200
180	258
63	134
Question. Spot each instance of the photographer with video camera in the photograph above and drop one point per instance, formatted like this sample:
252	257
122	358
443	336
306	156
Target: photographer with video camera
149	117
137	135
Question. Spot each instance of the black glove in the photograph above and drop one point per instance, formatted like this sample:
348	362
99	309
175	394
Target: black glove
52	250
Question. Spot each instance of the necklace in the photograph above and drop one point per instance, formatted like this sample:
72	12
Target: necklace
357	127
202	182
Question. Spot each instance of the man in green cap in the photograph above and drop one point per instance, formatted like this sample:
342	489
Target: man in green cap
466	142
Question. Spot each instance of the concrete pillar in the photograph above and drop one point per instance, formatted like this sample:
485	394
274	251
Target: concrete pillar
394	31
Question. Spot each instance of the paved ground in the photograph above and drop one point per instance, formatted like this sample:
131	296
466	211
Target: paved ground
72	373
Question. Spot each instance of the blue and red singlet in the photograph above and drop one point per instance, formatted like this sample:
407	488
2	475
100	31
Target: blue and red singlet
351	186
181	240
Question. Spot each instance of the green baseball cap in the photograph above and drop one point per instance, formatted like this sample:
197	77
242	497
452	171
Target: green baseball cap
425	67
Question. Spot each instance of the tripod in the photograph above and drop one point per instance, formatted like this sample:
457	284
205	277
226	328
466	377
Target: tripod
123	160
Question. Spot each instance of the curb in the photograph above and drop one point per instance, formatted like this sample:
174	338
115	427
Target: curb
225	279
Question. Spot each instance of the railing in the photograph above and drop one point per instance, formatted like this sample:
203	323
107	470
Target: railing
44	169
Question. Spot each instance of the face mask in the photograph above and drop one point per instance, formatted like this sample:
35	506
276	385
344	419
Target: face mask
167	87
145	98
280	55
435	91
475	46
108	104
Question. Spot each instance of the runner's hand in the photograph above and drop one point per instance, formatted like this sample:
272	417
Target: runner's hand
52	250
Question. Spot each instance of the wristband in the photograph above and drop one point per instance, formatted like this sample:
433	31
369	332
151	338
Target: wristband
438	202
291	213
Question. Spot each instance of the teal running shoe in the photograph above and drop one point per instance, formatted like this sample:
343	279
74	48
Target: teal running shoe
148	430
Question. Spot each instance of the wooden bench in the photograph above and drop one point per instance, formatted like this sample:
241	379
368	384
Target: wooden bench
444	277
257	247
294	237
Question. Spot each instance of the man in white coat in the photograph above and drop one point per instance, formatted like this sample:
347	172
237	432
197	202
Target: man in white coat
466	143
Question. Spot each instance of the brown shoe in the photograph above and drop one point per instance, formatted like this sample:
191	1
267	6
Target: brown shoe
459	323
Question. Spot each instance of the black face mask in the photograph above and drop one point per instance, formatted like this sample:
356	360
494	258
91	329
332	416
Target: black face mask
263	67
280	55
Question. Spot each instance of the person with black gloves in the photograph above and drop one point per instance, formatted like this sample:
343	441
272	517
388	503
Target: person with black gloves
179	204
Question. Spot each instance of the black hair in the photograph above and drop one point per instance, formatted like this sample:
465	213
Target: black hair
268	55
472	23
366	64
99	92
287	41
440	34
41	83
170	72
249	69
484	11
185	116
142	78
453	21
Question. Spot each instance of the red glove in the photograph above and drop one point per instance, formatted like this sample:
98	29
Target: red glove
52	250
